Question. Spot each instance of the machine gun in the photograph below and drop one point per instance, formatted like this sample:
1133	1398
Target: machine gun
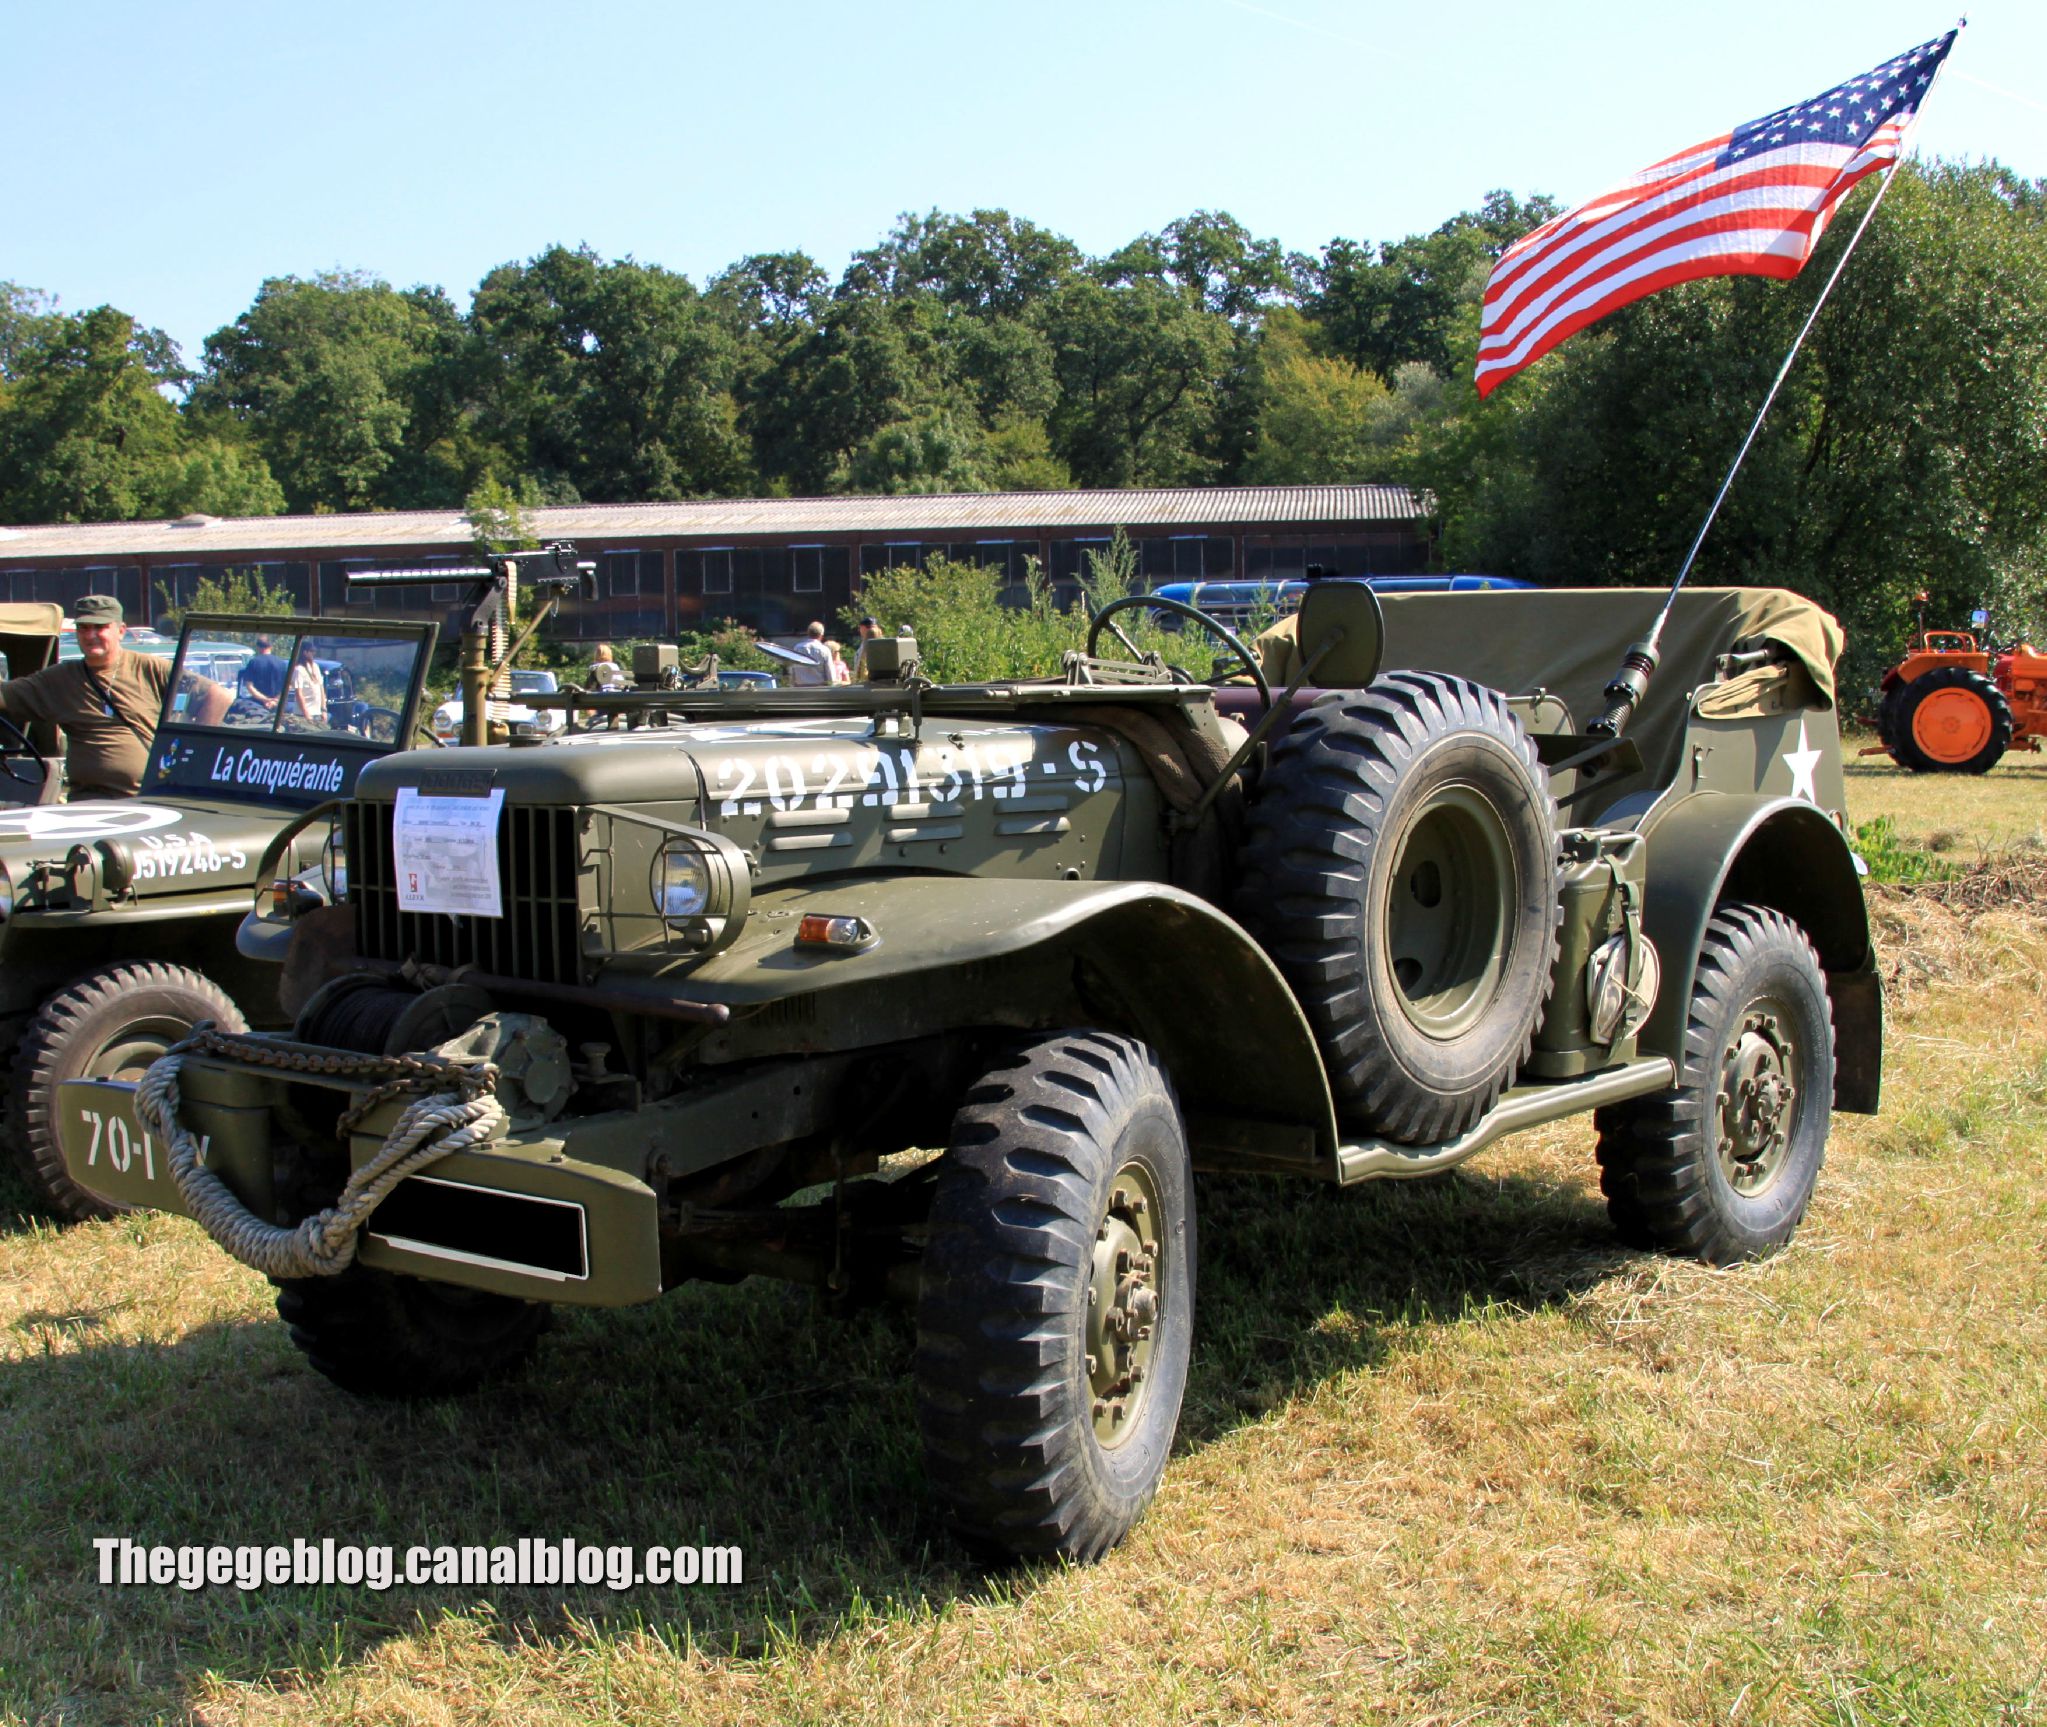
492	606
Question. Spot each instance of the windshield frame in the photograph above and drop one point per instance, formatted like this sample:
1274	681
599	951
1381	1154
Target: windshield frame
184	753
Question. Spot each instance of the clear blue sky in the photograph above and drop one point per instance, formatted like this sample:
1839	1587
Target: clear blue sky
167	157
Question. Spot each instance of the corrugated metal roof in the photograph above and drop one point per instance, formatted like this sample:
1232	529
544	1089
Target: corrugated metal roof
203	540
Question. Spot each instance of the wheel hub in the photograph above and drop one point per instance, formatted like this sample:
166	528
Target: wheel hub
131	1051
1952	725
1123	1305
1757	1101
1447	922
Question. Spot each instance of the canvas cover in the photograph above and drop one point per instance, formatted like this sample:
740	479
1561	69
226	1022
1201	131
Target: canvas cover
1571	641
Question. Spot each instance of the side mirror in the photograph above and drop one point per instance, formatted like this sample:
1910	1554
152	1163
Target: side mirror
1343	621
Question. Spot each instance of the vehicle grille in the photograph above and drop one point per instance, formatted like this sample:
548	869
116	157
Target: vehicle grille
538	938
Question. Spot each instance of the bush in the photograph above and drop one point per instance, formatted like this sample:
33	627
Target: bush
968	631
241	591
1895	861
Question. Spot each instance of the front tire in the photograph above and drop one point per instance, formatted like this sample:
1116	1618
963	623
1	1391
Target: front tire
1055	1316
109	1024
377	1334
1722	1166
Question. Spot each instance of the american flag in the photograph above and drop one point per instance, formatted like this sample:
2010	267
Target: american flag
1751	202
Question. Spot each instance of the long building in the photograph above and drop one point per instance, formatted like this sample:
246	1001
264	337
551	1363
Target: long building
770	563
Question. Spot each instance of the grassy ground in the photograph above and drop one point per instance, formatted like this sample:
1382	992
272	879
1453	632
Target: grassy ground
1450	1455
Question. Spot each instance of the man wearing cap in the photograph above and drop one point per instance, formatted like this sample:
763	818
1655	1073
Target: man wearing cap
869	630
107	702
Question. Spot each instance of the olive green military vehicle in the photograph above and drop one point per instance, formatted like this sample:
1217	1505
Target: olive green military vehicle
118	916
693	990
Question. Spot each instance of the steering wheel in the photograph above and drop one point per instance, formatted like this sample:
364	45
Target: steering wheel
1158	602
15	746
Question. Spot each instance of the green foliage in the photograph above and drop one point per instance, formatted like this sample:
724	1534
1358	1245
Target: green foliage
348	388
1893	860
1319	420
930	453
496	514
1138	368
86	433
968	631
218	477
616	378
241	591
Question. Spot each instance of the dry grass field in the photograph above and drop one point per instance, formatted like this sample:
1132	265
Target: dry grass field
1450	1455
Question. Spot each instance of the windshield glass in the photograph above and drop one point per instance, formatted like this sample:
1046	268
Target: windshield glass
301	685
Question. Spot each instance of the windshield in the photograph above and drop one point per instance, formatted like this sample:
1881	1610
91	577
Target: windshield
301	685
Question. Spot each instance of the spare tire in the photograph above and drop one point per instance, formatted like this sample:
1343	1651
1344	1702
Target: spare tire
1402	871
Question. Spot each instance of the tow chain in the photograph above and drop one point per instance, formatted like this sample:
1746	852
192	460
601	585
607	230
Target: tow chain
456	1109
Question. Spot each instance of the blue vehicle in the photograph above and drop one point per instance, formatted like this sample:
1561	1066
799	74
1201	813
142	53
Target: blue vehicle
1240	603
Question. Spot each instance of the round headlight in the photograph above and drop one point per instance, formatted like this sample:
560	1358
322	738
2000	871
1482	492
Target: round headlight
682	880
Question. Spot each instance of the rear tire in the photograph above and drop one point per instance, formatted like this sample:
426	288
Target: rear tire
109	1024
1951	721
1402	872
1721	1167
381	1335
1057	1301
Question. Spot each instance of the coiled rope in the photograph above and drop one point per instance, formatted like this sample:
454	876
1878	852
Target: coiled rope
457	1110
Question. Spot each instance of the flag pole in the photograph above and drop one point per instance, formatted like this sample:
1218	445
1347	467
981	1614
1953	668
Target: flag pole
1631	683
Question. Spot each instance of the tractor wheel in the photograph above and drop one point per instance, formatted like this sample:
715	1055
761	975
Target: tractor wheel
381	1335
1057	1302
1401	869
1722	1165
1951	721
1887	717
109	1024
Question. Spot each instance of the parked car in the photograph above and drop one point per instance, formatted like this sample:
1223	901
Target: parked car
520	719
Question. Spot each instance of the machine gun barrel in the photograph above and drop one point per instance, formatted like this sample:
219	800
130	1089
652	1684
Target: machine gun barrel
413	578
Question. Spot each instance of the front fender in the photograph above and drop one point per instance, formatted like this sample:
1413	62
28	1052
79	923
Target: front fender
1779	852
1139	957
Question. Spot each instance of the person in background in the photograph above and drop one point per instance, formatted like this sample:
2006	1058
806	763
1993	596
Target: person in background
108	702
817	668
840	672
605	671
308	688
261	678
869	630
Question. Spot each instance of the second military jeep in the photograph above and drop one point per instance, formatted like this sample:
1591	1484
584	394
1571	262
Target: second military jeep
686	993
118	916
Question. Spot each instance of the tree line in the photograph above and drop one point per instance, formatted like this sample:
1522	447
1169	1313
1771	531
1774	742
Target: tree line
983	351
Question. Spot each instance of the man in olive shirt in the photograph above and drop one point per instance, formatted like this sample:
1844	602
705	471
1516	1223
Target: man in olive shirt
107	702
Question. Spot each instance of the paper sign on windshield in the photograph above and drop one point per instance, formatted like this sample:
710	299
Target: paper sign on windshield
446	853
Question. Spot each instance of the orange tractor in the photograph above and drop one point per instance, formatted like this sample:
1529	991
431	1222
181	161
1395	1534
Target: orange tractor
1954	704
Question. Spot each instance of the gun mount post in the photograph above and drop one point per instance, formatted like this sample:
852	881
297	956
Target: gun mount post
492	603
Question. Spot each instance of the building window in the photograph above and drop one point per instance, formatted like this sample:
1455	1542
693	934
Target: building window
622	575
806	569
718	572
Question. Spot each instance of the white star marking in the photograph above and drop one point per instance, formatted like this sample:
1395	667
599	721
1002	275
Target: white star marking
1802	762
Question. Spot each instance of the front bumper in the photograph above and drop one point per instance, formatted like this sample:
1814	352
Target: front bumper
526	1216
